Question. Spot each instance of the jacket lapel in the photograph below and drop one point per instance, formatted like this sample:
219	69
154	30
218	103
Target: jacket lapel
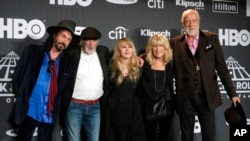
182	49
102	60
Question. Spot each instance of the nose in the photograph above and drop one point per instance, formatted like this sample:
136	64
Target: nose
66	41
191	23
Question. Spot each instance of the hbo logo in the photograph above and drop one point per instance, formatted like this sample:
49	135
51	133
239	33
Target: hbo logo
233	37
20	29
83	3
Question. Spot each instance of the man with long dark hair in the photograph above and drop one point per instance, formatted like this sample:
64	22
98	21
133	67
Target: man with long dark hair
40	76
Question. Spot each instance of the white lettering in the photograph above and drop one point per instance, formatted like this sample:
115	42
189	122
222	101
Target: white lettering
149	33
83	3
240	132
197	5
118	33
233	37
3	87
242	85
156	4
20	28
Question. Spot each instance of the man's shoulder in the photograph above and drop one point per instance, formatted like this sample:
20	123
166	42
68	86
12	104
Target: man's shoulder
33	47
102	48
177	37
208	33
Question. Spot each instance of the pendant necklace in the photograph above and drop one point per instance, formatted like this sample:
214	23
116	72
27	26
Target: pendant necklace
197	67
164	81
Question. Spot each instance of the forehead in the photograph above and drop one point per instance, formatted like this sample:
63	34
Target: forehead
123	43
157	41
64	31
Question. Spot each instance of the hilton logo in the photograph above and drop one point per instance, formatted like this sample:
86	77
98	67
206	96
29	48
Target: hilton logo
225	6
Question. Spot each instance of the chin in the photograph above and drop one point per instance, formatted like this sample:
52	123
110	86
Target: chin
192	33
90	52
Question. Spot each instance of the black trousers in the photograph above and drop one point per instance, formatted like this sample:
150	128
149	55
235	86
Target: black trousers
159	130
196	104
27	128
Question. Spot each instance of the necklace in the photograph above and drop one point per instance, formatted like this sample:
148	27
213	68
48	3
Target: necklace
197	67
164	81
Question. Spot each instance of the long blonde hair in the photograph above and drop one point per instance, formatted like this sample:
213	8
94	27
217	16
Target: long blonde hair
116	65
158	39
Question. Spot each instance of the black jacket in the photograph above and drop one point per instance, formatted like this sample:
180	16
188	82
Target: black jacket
104	56
25	77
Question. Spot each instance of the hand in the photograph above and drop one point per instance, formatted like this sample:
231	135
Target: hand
140	61
235	99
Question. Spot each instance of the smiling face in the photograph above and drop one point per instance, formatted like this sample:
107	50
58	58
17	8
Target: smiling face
191	22
62	40
158	51
89	46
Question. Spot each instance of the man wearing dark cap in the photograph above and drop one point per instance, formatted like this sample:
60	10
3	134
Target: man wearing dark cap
84	98
40	76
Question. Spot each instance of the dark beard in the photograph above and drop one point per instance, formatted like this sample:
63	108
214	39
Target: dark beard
60	47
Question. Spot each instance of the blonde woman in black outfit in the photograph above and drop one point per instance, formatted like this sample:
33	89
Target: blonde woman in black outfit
124	121
157	82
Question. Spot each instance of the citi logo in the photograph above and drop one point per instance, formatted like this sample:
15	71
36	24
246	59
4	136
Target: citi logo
118	33
149	33
83	3
196	5
225	6
122	1
158	4
20	28
233	37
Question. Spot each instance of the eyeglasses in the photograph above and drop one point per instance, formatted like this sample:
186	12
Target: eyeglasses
51	65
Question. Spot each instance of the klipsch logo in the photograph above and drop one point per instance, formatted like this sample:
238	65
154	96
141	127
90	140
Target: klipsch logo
122	1
148	33
225	6
198	5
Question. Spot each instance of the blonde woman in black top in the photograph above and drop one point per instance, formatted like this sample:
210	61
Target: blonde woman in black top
157	82
124	116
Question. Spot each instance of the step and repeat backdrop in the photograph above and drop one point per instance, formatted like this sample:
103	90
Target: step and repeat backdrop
24	22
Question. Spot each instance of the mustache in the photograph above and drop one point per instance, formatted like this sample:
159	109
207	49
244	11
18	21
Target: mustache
62	44
191	28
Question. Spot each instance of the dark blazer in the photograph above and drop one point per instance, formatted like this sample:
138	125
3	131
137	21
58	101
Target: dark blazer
25	77
212	62
104	56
